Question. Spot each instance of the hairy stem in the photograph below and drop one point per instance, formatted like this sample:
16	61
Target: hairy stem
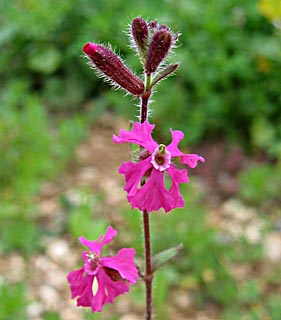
148	276
145	99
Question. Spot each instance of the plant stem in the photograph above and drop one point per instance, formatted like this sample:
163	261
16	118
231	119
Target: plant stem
148	276
147	82
145	99
144	106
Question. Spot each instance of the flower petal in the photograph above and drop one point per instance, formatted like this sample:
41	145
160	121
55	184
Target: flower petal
140	134
107	291
97	245
177	136
153	195
191	159
85	299
77	282
133	173
177	176
123	262
188	159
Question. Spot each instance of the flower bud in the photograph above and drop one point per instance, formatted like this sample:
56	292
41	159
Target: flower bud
139	31
113	68
158	49
152	25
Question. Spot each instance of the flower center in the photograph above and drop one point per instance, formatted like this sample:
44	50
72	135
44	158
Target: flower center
93	261
113	274
161	158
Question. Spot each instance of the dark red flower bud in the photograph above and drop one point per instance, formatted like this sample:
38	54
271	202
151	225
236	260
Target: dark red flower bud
158	49
163	27
113	68
139	31
152	25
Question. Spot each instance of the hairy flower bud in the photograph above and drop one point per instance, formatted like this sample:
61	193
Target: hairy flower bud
158	49
152	25
139	31
113	68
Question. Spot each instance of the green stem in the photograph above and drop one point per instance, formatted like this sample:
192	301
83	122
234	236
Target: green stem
145	99
147	82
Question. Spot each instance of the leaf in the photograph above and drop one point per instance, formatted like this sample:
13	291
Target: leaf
165	256
164	73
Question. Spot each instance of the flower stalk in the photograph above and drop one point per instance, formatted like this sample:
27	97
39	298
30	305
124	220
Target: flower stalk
148	276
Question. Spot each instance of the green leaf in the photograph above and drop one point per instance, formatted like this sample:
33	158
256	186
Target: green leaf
165	256
164	73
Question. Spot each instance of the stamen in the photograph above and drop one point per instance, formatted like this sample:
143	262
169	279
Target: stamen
162	148
161	158
91	256
93	260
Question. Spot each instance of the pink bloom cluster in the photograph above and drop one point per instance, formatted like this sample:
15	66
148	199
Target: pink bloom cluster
145	178
101	279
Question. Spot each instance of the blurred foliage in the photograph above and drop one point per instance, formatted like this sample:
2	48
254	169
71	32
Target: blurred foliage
230	59
228	87
81	207
256	310
271	9
19	235
274	307
202	255
260	184
33	150
51	316
13	301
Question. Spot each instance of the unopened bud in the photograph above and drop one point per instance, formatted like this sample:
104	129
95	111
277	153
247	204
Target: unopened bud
139	31
111	66
158	49
163	27
152	25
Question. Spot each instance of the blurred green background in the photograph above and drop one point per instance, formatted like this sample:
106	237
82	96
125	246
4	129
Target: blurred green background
227	89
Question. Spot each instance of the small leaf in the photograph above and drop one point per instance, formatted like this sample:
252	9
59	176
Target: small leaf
164	73
165	256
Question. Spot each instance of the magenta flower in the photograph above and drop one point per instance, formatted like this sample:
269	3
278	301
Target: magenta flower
145	178
101	279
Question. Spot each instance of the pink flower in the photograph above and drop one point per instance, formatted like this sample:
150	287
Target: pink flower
101	279
145	178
